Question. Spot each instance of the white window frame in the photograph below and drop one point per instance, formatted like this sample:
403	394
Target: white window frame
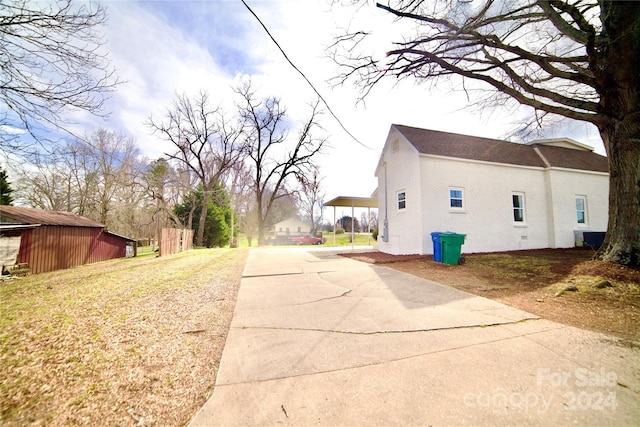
584	211
403	201
461	199
522	208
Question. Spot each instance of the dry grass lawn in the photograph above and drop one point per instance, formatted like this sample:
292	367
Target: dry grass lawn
123	342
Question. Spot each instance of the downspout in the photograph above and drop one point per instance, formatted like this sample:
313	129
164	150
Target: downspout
385	223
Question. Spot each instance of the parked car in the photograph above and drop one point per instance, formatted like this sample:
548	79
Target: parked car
306	239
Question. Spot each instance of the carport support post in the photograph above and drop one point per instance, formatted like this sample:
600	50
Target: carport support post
334	226
369	225
353	223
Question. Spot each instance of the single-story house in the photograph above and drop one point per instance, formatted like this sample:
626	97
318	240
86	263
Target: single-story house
51	240
291	227
501	195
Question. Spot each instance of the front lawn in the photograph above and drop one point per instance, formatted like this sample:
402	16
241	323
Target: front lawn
122	342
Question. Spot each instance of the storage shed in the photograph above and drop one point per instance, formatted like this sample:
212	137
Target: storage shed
51	240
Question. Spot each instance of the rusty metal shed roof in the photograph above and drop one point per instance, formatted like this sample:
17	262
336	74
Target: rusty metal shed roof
21	215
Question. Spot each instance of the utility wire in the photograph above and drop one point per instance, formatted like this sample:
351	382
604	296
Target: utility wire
304	77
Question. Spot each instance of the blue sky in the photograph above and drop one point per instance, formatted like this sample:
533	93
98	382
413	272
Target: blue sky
161	48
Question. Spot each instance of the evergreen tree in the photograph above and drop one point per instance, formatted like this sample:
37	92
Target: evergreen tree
5	189
217	228
347	222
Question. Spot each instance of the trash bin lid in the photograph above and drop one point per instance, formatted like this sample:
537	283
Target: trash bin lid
452	238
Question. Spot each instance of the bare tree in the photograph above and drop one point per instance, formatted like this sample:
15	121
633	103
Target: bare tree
97	177
373	221
311	197
166	187
274	158
239	188
112	168
132	213
364	222
577	59
51	63
206	143
249	221
46	186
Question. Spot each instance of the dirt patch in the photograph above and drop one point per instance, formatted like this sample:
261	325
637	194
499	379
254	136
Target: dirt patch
605	296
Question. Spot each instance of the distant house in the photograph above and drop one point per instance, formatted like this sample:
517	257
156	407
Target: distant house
290	227
502	195
50	240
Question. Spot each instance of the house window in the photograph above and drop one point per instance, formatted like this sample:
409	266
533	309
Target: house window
401	200
517	200
455	198
581	209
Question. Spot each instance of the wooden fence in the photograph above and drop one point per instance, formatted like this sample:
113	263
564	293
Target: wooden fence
174	240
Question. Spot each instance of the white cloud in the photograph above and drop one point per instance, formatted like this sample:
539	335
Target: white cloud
157	61
164	48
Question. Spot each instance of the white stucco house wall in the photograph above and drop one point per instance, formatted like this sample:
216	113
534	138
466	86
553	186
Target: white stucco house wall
291	227
502	195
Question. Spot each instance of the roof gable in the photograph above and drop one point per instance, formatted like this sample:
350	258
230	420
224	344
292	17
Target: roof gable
447	144
39	216
562	142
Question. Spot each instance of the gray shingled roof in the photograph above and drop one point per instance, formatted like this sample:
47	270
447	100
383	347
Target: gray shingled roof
573	159
493	150
18	214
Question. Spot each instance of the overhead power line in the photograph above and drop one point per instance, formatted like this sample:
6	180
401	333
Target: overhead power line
324	101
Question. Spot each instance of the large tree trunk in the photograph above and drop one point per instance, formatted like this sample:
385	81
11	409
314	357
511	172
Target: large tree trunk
261	219
618	72
622	242
206	197
262	232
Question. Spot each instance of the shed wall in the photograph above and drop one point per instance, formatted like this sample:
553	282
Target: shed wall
49	248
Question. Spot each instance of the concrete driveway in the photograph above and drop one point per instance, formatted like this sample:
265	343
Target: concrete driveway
321	339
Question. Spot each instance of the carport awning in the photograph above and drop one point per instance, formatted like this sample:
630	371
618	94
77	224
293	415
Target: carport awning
357	202
353	202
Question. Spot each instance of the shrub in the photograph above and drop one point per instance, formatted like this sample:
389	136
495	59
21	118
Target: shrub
339	230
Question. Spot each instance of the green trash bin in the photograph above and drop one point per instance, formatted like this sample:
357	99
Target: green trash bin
451	247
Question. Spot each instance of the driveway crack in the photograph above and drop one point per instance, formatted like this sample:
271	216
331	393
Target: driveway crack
392	331
323	299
